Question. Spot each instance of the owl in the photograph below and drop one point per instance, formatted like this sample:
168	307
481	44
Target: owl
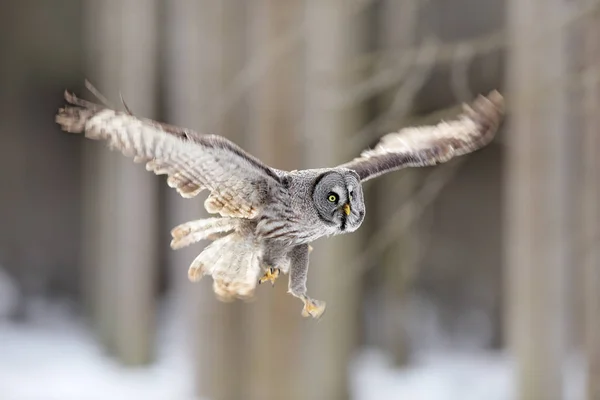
268	217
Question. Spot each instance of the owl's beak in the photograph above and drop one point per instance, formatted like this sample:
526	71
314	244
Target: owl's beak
346	208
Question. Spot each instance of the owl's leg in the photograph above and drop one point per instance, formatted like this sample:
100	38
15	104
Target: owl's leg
273	258
297	284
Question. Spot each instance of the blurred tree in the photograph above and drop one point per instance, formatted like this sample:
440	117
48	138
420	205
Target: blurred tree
33	74
538	210
591	198
398	260
121	197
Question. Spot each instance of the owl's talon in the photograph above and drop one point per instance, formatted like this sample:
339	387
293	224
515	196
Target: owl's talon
313	308
270	275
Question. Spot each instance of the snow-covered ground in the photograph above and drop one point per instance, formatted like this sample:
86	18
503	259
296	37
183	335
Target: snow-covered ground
446	376
54	357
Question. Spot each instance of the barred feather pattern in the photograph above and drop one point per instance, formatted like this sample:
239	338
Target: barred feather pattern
291	231
241	187
421	146
286	229
240	184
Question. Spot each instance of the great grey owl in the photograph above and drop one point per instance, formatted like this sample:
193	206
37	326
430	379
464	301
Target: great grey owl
268	216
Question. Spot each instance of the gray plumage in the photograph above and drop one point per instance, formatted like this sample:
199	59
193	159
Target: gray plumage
269	216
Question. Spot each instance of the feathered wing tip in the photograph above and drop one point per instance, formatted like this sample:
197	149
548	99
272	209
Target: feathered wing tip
486	112
234	264
73	117
482	102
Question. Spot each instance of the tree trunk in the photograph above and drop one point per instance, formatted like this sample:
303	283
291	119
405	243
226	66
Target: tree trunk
591	202
398	261
122	52
538	236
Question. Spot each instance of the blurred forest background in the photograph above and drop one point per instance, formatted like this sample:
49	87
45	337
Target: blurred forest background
476	279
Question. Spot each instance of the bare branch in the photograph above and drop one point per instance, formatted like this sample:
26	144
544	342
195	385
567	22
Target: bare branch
463	57
402	99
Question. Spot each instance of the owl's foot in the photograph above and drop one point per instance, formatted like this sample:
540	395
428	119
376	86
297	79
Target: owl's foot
271	275
312	308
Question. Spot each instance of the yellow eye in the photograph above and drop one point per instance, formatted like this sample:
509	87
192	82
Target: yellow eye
332	198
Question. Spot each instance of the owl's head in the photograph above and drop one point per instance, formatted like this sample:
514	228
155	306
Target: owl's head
338	198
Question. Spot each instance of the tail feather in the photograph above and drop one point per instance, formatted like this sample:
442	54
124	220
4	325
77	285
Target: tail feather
234	264
195	231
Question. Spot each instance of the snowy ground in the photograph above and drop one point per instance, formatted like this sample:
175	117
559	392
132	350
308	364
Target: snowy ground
446	376
55	358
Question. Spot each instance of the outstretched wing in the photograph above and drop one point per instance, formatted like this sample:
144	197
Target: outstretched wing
239	183
422	146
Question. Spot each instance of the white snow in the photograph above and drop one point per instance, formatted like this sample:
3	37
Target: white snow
439	375
55	357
